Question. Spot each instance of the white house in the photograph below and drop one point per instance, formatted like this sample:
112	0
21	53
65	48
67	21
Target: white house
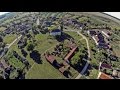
105	34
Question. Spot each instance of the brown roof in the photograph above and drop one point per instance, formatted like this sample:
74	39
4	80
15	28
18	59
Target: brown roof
70	53
65	63
64	68
105	76
50	58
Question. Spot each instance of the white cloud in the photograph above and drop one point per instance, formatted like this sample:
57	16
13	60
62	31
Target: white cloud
3	13
115	14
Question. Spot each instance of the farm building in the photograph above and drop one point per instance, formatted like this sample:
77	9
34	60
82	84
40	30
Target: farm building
65	68
104	76
51	60
70	54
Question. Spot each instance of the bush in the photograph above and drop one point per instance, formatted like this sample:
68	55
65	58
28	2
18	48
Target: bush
30	47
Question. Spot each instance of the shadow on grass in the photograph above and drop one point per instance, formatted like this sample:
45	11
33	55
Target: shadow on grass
63	37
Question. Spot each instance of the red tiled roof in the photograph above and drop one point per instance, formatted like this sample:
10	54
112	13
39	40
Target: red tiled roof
70	53
50	58
105	76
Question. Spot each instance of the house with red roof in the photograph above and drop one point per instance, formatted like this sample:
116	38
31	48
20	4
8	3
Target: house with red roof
70	54
104	76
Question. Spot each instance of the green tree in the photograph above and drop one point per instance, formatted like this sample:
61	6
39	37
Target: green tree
1	39
30	47
100	56
76	59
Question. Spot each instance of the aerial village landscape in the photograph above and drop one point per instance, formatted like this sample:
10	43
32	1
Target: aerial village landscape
59	45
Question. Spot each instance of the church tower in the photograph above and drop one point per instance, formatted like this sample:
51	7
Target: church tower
38	21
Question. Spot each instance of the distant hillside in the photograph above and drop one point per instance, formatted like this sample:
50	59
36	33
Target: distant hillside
6	16
99	14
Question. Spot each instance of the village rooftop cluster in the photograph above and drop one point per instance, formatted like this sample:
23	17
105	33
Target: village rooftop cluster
58	45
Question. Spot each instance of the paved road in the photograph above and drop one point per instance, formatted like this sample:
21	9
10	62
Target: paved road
85	67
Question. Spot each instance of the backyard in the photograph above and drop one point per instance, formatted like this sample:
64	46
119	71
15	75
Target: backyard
9	38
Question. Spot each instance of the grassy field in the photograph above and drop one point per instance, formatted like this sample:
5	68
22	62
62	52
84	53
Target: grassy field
74	35
44	70
93	74
43	43
16	63
9	38
97	14
116	47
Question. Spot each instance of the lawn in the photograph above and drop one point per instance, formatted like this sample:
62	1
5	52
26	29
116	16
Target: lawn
9	38
76	36
44	71
43	43
13	61
93	74
16	63
116	48
73	72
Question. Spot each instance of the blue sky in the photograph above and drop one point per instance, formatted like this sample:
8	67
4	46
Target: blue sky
115	14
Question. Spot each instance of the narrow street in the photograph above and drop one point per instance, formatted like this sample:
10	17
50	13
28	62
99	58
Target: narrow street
9	45
85	67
